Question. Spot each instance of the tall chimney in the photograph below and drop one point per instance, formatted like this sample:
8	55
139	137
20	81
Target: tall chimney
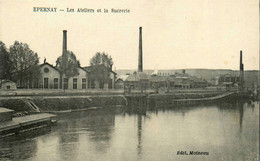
64	47
241	62
140	60
241	67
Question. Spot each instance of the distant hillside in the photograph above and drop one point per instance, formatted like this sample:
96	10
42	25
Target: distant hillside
126	71
251	76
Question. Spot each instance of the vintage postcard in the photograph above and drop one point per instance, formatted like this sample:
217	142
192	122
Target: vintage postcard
129	80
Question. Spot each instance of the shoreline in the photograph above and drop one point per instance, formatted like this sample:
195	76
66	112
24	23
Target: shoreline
102	99
59	92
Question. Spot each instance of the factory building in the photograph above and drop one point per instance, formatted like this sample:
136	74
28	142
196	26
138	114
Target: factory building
91	77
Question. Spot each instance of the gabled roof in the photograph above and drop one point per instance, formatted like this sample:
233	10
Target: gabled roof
83	69
133	78
137	76
49	66
142	75
122	77
6	81
46	63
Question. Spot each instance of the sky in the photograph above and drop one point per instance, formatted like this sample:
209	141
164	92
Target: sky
177	34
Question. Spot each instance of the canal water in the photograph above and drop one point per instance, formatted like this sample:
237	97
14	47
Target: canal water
225	131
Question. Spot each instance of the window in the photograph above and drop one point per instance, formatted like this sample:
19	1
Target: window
56	83
84	81
45	83
46	70
65	83
75	83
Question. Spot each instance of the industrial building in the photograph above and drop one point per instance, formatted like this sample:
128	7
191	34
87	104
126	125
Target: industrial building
86	78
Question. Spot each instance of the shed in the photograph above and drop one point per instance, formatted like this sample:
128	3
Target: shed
8	85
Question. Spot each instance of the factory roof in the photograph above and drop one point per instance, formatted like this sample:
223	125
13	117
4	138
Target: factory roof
46	63
137	76
122	77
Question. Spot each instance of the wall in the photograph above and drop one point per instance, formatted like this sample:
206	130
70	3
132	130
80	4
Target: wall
51	74
8	86
81	74
60	103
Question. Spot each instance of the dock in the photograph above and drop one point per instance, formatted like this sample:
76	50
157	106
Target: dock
10	126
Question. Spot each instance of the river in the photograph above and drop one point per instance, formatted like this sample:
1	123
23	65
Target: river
225	131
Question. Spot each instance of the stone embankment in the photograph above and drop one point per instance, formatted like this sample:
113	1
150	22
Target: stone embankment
60	103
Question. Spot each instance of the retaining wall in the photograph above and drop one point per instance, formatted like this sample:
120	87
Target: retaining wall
21	104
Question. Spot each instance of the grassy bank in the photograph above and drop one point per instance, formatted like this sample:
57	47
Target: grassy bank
60	103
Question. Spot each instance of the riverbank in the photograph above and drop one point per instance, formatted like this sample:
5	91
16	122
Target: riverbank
101	99
187	99
59	103
59	92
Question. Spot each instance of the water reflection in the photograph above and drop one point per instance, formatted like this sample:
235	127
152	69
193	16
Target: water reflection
20	147
228	130
97	125
139	134
68	139
18	150
237	107
241	113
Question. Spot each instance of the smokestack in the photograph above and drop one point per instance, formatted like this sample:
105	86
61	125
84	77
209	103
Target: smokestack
140	60
241	67
64	47
241	61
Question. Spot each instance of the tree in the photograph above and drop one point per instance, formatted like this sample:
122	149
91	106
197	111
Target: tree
68	64
25	69
100	68
5	62
101	58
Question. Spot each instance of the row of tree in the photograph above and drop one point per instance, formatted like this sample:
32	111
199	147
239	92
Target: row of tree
21	65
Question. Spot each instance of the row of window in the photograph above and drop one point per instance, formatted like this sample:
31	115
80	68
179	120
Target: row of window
92	84
163	74
65	83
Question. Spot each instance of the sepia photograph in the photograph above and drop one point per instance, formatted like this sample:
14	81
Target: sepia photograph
129	80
